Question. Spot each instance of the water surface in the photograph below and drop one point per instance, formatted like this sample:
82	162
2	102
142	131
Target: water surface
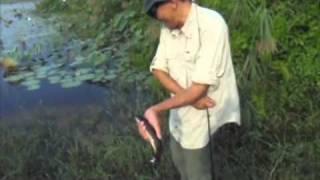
22	30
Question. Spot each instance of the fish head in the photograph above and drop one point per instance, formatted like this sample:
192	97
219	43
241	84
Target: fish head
140	118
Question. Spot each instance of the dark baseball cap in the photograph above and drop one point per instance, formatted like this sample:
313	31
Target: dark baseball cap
150	6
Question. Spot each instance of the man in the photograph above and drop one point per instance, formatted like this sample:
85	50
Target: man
193	62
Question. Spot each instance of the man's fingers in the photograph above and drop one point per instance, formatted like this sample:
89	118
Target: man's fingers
210	104
154	120
158	132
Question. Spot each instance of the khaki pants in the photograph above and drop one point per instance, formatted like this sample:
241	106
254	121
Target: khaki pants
196	164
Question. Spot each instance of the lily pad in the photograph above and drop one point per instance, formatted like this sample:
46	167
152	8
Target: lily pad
54	66
14	78
54	79
78	61
97	78
110	76
99	71
63	73
31	82
71	84
67	79
27	74
86	77
44	69
52	72
82	71
41	75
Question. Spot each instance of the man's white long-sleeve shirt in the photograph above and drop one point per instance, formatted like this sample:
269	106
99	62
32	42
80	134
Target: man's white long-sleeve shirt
199	52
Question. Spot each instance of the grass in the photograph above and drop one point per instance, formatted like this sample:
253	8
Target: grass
77	143
50	153
96	143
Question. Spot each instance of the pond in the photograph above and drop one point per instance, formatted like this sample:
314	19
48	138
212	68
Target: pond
50	72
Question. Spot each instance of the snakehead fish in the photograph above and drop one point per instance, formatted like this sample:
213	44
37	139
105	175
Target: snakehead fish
154	141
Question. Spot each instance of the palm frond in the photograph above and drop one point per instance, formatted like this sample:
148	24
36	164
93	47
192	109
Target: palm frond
266	44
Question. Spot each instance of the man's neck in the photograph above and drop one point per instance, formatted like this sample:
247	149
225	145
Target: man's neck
185	8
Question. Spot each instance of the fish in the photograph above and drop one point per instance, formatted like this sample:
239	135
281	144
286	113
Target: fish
154	141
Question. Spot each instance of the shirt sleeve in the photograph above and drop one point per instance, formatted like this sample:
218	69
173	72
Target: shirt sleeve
160	61
213	55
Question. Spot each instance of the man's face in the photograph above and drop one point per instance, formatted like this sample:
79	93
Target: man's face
166	13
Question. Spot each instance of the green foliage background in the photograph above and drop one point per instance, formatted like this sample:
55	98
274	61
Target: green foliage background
276	52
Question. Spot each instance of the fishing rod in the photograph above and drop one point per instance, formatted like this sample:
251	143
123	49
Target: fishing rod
207	109
210	145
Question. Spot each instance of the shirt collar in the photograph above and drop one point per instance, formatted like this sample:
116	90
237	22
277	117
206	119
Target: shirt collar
185	29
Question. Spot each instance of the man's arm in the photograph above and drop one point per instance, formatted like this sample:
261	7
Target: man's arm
186	97
172	86
183	98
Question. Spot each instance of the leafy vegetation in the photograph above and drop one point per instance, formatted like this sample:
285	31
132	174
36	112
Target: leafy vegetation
275	47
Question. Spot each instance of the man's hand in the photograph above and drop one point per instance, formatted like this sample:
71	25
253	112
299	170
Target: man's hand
153	118
204	103
173	87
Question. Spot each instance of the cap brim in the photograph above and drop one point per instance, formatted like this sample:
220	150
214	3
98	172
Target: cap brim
150	4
